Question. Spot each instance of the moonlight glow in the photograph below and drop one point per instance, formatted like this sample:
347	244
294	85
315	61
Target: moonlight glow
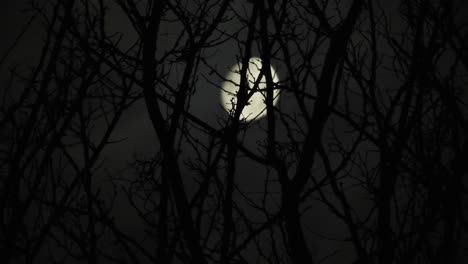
256	104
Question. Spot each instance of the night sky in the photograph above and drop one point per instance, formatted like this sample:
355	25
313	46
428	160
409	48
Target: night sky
258	193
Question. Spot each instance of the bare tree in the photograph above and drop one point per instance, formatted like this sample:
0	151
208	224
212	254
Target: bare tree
369	133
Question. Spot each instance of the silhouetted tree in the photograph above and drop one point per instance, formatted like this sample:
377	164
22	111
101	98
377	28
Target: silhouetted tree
369	133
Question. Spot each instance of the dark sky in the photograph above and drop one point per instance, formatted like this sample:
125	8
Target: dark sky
135	125
13	18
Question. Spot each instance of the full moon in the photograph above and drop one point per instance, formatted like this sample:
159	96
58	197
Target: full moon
256	107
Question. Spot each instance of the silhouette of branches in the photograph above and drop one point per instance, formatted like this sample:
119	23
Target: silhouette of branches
362	160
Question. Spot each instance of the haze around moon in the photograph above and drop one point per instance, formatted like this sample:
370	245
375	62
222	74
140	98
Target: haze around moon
256	107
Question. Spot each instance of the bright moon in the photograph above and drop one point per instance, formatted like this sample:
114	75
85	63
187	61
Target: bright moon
256	104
